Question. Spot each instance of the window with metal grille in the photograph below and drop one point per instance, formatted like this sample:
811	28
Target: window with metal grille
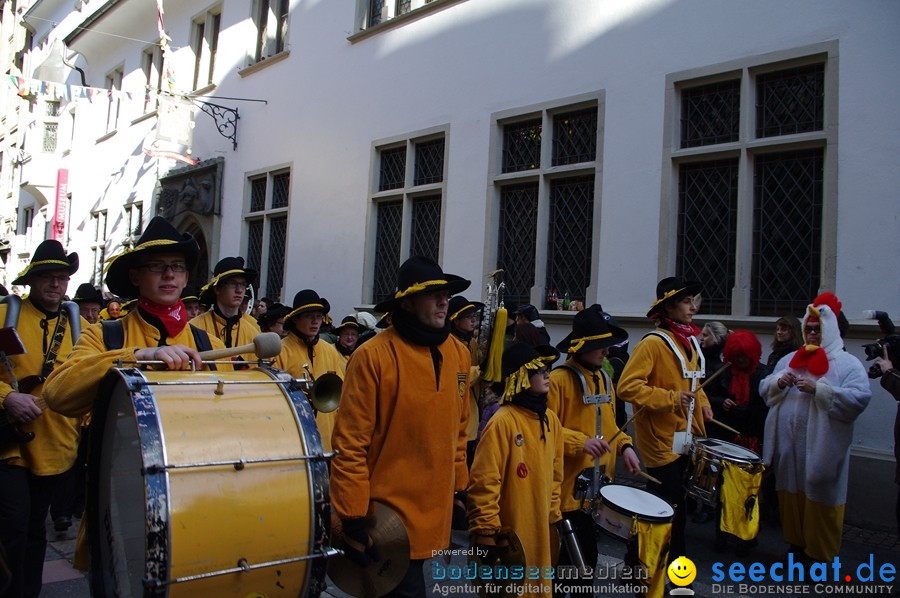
711	113
266	225
780	264
403	7
707	229
426	226
790	101
569	245
393	169
522	145
429	162
376	12
51	108
516	240
575	137
387	249
50	137
787	231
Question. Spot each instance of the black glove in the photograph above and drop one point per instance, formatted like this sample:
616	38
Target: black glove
460	519
488	553
355	529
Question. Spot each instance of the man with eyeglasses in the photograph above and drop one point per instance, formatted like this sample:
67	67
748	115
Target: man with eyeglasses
31	472
226	293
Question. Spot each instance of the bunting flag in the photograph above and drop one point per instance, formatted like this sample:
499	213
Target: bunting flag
60	91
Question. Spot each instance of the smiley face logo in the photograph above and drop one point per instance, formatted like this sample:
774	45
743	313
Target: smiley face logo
682	571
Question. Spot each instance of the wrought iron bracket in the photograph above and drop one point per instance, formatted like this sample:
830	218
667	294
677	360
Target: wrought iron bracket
226	119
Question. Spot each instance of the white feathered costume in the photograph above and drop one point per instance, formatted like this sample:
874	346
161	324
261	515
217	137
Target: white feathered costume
807	438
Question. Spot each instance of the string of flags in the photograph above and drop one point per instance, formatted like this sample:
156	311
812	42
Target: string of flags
61	91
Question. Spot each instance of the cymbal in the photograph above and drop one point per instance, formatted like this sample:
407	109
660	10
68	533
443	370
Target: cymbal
511	555
390	538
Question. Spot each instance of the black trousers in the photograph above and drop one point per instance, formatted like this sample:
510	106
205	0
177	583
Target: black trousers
24	504
671	490
586	534
413	583
68	500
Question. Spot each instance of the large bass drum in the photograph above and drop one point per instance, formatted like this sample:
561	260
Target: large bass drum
206	484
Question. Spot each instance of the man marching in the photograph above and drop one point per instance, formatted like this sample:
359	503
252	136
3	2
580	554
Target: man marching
226	292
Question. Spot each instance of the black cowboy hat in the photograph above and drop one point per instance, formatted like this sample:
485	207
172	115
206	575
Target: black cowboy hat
349	322
159	237
520	361
308	300
189	293
460	307
228	267
384	322
673	287
88	293
529	311
419	275
591	330
49	255
274	312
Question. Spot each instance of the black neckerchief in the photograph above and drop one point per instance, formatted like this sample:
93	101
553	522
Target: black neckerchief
410	328
462	335
230	322
309	343
45	323
156	323
343	350
535	403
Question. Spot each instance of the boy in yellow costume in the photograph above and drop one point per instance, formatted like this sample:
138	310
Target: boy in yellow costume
515	478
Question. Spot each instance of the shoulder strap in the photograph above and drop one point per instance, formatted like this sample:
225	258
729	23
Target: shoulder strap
578	376
113	334
201	339
692	375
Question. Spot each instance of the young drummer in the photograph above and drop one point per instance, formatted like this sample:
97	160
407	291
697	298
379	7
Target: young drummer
226	293
515	478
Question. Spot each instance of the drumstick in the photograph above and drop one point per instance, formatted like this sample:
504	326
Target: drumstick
264	345
625	425
726	426
714	375
647	476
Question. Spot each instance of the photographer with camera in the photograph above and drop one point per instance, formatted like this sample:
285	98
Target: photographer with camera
886	352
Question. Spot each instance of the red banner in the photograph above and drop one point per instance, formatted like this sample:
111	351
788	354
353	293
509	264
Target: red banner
60	216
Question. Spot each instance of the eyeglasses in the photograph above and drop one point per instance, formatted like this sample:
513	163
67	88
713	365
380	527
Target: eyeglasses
234	284
58	278
542	372
161	267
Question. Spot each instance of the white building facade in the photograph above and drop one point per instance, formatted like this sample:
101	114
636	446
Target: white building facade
584	147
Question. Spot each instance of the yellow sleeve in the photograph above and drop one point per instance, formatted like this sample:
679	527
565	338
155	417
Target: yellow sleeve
634	385
561	387
461	466
556	490
491	457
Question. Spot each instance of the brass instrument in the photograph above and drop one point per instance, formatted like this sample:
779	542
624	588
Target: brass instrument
324	392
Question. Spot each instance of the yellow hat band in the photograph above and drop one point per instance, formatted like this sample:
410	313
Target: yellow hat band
219	277
667	295
41	263
457	314
578	343
418	288
141	247
521	379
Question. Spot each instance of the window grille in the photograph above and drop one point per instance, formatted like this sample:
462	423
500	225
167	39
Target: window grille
376	10
258	194
575	137
387	248
426	227
516	240
787	231
790	101
403	7
277	249
569	245
52	108
711	114
522	146
267	230
254	244
393	169
281	188
707	230
429	162
50	137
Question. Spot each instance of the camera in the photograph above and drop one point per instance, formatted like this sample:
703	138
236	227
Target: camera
890	341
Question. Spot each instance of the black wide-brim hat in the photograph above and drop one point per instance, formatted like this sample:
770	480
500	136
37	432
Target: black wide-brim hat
460	307
88	293
591	330
48	256
419	275
673	287
349	322
308	300
228	267
189	293
520	362
159	237
275	312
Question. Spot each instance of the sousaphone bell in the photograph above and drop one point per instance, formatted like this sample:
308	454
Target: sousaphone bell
324	392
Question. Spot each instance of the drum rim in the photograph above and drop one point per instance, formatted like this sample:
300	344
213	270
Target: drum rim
642	517
709	445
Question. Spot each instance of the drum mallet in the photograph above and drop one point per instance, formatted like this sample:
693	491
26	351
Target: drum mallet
647	476
726	426
264	346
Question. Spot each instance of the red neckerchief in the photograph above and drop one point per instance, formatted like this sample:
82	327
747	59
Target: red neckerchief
683	332
811	357
174	317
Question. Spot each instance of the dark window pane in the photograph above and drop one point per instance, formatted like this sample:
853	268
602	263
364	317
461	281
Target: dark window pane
426	227
275	263
258	194
787	232
254	244
575	137
402	7
790	101
387	249
375	9
522	146
707	230
429	162
393	169
516	239
569	249
711	114
281	190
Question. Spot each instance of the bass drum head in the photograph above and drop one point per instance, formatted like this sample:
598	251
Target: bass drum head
729	451
637	502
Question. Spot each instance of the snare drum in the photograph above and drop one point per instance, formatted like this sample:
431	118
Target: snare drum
707	456
206	483
618	505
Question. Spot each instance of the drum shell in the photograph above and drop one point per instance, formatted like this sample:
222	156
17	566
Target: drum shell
707	456
176	516
616	518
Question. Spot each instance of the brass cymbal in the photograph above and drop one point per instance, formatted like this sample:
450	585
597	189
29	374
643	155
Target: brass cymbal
511	554
392	543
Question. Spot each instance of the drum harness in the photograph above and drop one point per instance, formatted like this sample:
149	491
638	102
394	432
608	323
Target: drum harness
694	376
